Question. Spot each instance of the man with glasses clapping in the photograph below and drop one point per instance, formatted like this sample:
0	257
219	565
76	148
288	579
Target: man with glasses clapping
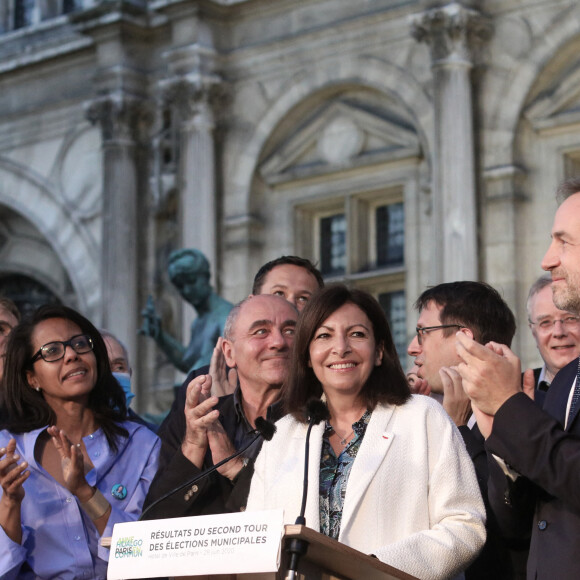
478	311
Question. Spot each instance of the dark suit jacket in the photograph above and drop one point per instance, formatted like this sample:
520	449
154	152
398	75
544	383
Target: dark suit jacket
546	501
494	561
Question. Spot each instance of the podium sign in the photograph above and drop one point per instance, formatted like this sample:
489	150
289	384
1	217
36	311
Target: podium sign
247	542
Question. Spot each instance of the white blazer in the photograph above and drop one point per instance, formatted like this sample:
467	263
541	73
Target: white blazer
412	497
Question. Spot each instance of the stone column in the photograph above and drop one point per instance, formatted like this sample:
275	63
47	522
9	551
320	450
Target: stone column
123	121
192	104
452	33
503	196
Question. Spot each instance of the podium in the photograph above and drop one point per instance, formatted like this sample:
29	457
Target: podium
328	559
325	559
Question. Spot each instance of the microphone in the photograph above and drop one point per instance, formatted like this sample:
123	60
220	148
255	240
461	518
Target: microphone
264	429
316	411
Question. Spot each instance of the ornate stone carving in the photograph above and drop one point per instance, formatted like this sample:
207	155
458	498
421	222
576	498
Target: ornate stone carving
342	134
121	118
452	32
190	98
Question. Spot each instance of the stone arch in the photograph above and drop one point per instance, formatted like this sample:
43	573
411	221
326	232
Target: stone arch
521	167
27	194
369	72
503	120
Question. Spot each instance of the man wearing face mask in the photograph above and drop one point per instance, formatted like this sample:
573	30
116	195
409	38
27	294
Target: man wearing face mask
122	371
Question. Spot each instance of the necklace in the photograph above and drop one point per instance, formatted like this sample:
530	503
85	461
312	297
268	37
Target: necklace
344	440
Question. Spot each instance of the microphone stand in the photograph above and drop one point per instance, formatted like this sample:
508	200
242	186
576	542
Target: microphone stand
263	429
296	547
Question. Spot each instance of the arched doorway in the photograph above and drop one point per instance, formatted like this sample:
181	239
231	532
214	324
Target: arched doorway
26	292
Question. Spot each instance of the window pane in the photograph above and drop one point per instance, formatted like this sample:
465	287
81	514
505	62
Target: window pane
333	244
393	303
23	13
27	293
390	224
70	5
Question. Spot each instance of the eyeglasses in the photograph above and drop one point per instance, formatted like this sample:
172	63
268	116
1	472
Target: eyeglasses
53	351
421	331
547	324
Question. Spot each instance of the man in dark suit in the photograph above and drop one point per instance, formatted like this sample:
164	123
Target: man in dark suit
477	310
259	332
534	452
556	332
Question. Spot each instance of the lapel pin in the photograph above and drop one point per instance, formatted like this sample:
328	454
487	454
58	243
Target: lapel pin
119	491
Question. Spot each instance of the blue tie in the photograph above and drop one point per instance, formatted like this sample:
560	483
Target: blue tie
575	396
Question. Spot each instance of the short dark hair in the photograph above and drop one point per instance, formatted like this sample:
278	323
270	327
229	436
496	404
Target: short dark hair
281	261
387	383
475	305
26	408
539	284
567	188
9	305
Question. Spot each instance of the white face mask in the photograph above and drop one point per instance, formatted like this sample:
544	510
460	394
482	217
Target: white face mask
124	379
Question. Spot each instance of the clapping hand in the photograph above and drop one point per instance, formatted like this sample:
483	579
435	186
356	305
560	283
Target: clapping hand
199	416
73	465
491	374
12	477
455	401
12	474
224	382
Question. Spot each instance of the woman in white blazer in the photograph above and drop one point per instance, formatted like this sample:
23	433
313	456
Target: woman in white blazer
388	472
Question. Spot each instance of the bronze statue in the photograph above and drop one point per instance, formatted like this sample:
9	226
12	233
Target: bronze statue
189	272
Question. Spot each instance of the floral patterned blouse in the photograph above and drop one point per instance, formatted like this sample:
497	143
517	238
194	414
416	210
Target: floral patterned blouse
334	473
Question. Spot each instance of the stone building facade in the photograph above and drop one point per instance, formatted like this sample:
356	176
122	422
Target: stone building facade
397	143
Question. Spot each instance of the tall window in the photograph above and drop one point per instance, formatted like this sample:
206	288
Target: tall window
390	235
359	238
23	10
333	245
393	303
70	5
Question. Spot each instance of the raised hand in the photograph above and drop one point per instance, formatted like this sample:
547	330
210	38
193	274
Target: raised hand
223	382
199	416
484	421
418	386
455	401
529	383
73	465
491	374
12	476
